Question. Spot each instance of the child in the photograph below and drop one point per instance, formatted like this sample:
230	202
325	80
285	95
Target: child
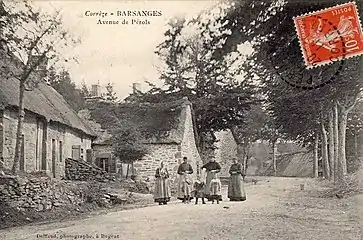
199	187
215	188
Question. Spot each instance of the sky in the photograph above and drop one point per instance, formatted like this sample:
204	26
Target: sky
119	54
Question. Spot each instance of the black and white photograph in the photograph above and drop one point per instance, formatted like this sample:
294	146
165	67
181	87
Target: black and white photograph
181	120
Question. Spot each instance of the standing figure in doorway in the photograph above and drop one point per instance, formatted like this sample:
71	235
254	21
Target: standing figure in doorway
162	191
236	191
212	167
185	181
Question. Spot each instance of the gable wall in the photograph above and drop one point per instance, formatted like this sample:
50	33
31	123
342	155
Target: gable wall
188	145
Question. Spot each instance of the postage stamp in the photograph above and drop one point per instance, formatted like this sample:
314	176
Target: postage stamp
330	35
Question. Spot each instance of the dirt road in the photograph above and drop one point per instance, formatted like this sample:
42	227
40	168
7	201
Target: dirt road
276	208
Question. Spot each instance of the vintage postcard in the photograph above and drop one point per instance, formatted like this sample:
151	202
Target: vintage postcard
181	120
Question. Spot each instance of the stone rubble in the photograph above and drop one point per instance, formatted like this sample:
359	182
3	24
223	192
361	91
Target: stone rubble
80	170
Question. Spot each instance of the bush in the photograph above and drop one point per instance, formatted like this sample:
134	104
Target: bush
351	185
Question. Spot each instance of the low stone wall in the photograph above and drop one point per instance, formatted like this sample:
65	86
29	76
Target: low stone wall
83	171
43	193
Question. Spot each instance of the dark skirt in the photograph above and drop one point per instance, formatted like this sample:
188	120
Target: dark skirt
236	191
162	191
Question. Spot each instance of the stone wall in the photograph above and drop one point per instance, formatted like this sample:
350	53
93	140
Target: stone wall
44	193
9	136
170	154
83	171
36	193
67	138
36	141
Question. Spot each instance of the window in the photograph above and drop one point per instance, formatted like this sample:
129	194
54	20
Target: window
60	151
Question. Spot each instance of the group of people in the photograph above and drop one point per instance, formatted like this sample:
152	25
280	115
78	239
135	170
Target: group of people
209	189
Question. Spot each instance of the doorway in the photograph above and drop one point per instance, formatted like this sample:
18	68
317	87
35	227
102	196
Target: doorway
53	157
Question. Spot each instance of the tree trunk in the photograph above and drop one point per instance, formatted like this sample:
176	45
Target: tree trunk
240	154
127	171
342	135
336	141
19	131
324	152
245	165
316	157
274	164
331	145
355	143
132	169
344	108
121	171
245	157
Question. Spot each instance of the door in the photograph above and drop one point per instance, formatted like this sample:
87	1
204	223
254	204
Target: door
89	155
76	152
60	151
104	164
22	154
53	157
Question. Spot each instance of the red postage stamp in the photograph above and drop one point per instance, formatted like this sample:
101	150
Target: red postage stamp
330	35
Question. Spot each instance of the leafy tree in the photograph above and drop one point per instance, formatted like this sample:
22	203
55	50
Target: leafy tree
193	70
117	120
110	95
249	131
64	85
31	40
84	90
102	134
277	59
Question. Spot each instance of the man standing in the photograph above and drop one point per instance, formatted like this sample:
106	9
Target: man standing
212	168
185	181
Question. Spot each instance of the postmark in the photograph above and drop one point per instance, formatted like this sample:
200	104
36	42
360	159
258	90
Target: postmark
329	35
308	78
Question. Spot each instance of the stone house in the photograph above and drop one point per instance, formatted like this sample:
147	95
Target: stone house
179	141
168	134
52	131
103	157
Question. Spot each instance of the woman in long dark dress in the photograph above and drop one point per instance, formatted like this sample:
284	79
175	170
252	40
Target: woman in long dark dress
236	191
212	167
162	191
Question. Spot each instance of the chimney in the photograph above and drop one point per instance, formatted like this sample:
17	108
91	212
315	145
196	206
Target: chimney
95	90
136	88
